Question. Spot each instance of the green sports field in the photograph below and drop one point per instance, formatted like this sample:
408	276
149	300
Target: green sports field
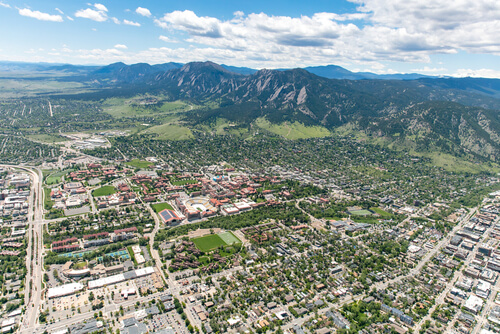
229	238
208	242
360	212
212	241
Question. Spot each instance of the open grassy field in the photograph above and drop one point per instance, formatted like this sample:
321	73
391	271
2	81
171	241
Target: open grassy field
183	182
14	87
229	238
139	163
454	164
294	130
380	212
208	242
158	207
56	177
104	191
47	201
139	106
170	131
47	138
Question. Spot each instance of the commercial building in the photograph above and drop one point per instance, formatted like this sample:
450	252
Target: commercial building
473	304
99	283
64	290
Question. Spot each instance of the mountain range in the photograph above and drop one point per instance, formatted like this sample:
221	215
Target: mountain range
459	116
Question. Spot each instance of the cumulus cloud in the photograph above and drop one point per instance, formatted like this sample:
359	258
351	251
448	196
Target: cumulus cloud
100	7
120	46
466	25
167	39
115	20
379	30
98	13
131	23
376	32
143	11
40	16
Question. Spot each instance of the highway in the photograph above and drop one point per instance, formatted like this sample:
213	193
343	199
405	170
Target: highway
34	260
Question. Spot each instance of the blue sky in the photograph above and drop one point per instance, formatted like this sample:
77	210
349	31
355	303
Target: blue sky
435	37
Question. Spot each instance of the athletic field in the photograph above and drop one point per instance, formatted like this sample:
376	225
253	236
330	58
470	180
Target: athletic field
212	241
229	238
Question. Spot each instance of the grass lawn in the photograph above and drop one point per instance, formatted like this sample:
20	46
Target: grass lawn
56	177
229	238
380	212
47	201
183	182
161	206
170	131
294	130
104	191
80	265
139	163
208	242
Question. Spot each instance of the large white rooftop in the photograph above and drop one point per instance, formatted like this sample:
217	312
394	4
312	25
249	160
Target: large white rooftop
64	290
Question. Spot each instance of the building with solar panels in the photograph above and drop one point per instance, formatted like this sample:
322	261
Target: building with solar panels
170	218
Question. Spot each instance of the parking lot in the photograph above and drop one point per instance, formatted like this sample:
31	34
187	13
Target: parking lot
171	319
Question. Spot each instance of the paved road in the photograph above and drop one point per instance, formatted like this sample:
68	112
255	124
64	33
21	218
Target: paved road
456	276
34	261
429	255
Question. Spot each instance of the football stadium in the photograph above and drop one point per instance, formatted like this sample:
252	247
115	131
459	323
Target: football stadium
197	207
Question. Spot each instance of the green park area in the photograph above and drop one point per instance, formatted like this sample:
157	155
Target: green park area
139	163
56	178
104	191
158	207
380	212
183	182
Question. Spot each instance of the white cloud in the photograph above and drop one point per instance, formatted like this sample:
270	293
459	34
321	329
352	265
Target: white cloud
479	73
40	16
131	23
143	11
375	33
120	46
401	32
98	14
59	11
3	4
100	7
167	39
91	14
115	20
70	18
